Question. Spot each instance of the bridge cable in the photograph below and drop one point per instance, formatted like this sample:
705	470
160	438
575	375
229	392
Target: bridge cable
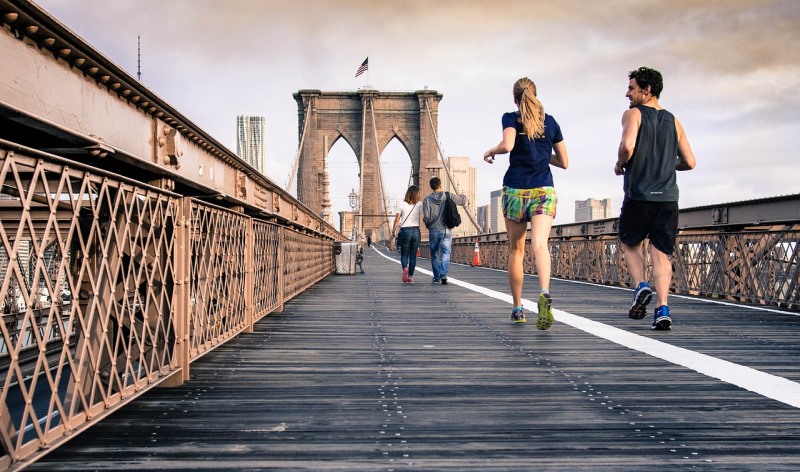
378	155
447	168
299	148
361	173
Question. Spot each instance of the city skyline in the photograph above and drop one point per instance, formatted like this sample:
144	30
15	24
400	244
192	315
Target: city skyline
727	78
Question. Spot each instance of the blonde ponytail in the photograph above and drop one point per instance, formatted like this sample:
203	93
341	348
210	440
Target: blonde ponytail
531	111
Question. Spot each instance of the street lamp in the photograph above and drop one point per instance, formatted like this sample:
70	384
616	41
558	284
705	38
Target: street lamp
353	198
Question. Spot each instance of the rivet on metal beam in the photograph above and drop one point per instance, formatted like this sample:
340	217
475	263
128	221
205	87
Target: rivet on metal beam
151	109
125	92
160	114
11	16
64	52
105	78
135	98
144	103
49	41
92	70
116	85
79	61
32	29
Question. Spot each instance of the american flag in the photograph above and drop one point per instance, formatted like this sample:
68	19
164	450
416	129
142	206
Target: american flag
363	68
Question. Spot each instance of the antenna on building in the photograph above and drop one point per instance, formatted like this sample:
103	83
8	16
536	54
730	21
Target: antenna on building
139	58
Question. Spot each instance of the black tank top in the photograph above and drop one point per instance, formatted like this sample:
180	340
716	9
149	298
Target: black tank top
650	172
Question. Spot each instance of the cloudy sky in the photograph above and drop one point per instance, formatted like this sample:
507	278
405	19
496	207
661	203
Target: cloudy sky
731	69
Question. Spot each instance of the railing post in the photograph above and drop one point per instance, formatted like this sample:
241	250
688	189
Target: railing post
249	277
183	301
281	261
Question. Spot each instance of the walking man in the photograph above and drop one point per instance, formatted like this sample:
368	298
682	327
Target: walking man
652	148
440	237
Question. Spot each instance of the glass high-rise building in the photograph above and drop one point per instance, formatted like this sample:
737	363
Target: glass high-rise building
496	220
250	134
466	178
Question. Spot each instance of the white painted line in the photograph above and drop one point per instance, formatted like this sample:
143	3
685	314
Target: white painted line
762	383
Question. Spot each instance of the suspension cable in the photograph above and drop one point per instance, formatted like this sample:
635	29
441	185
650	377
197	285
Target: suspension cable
378	156
447	167
299	148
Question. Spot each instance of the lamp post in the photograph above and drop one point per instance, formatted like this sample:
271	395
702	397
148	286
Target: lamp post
353	199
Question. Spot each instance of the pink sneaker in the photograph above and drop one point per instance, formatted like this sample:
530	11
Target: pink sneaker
410	280
405	275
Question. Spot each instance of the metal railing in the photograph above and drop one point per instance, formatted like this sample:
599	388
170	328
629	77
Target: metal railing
753	263
112	287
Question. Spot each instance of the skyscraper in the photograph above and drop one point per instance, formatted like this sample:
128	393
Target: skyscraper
496	220
467	184
250	132
483	218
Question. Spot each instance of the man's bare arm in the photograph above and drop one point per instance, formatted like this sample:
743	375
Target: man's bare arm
686	159
631	120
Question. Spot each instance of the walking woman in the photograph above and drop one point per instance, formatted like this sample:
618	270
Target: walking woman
409	236
534	140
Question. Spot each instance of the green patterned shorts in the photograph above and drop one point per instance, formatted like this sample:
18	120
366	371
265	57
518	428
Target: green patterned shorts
521	204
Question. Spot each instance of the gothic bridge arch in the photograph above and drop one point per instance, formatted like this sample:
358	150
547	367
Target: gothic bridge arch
367	120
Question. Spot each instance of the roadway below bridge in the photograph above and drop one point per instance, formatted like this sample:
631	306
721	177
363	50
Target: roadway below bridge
364	373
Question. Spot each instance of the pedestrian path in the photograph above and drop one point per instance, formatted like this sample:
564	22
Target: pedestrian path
362	372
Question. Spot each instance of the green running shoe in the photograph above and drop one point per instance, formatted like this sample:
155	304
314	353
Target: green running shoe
545	318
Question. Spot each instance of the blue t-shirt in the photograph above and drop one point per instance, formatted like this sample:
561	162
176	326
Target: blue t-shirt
529	162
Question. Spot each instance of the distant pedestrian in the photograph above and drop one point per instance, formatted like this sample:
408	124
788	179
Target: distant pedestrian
535	142
652	138
408	234
440	237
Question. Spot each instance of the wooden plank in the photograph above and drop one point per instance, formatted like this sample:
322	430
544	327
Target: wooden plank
362	372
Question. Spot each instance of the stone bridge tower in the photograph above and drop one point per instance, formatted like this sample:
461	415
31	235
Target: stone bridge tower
367	120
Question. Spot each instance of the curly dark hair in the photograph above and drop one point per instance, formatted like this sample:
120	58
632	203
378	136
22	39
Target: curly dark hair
645	76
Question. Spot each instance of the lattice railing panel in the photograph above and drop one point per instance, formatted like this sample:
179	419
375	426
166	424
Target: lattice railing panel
92	302
218	270
87	282
306	260
755	266
266	268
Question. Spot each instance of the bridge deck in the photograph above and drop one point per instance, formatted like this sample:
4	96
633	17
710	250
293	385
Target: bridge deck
365	373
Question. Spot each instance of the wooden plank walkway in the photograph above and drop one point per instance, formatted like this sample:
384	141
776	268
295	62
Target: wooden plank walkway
363	373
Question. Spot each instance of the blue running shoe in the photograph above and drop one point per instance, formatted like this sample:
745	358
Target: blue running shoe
641	297
517	316
661	319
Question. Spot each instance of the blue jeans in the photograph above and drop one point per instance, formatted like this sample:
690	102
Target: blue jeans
440	241
408	240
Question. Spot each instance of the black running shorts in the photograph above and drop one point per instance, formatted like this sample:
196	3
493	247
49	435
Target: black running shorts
655	220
